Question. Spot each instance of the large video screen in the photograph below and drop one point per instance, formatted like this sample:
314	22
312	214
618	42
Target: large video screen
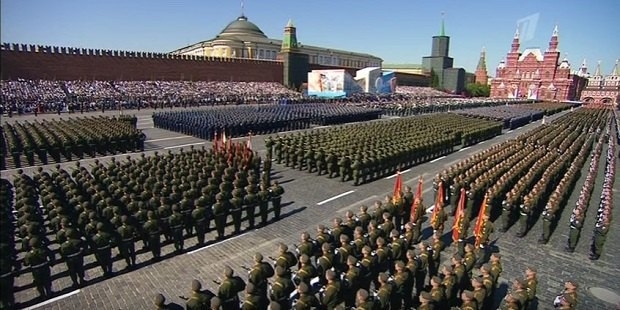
326	83
385	83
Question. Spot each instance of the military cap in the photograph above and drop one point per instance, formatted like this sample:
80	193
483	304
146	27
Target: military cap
196	285
325	247
496	254
424	243
228	272
249	288
448	268
364	208
573	283
124	219
159	300
216	302
351	260
303	287
468	294
274	306
425	295
150	214
34	242
436	279
100	226
520	282
477	279
71	233
394	233
531	269
283	247
320	228
330	274
304	259
258	257
362	293
457	256
399	264
176	207
280	271
485	267
383	277
366	250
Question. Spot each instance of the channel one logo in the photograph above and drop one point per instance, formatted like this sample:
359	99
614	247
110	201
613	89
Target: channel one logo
527	27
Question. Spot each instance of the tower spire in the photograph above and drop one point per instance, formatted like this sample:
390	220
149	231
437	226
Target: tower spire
515	42
481	74
442	32
482	62
598	69
242	8
615	72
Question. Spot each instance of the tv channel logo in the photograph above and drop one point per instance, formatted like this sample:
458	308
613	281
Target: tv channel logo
527	27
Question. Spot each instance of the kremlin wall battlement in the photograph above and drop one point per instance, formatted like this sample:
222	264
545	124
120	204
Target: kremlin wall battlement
37	62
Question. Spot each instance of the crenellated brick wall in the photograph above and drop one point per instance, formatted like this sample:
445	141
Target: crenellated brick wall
63	63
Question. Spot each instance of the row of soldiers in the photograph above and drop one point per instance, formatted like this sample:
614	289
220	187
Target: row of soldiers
68	137
345	265
140	199
605	208
364	152
239	120
505	170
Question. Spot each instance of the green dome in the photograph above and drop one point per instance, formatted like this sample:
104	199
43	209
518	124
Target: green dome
241	26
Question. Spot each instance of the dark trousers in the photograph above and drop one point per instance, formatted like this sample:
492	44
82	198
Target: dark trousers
155	245
128	251
75	266
104	258
220	224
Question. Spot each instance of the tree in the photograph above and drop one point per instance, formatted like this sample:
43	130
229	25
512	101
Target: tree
434	79
477	90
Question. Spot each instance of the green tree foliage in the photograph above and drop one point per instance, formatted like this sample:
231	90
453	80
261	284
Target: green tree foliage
477	90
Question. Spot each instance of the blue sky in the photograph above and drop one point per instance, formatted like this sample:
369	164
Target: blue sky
398	31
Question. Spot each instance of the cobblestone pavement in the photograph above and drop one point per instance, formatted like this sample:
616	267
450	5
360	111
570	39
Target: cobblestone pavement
308	202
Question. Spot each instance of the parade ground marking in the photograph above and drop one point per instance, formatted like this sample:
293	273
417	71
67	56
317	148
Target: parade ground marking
509	131
394	175
464	148
335	197
481	142
437	159
49	301
183	145
216	243
170	138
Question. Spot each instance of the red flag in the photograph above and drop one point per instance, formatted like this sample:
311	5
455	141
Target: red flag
438	201
459	217
398	186
417	201
480	221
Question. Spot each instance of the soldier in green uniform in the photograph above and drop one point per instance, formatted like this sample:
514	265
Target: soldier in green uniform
332	164
220	212
548	216
229	289
344	164
269	144
250	200
524	216
39	258
330	294
9	268
103	249
600	235
356	168
321	164
276	192
469	301
306	300
126	246
281	288
507	207
151	227
576	223
277	147
253	300
199	219
264	196
176	228
236	204
197	300
72	252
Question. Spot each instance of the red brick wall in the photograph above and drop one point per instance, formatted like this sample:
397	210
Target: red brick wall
67	66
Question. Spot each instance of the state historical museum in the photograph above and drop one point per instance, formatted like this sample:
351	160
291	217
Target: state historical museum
537	75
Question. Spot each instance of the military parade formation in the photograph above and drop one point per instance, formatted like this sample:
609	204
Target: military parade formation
515	116
64	216
238	121
54	141
368	151
376	258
